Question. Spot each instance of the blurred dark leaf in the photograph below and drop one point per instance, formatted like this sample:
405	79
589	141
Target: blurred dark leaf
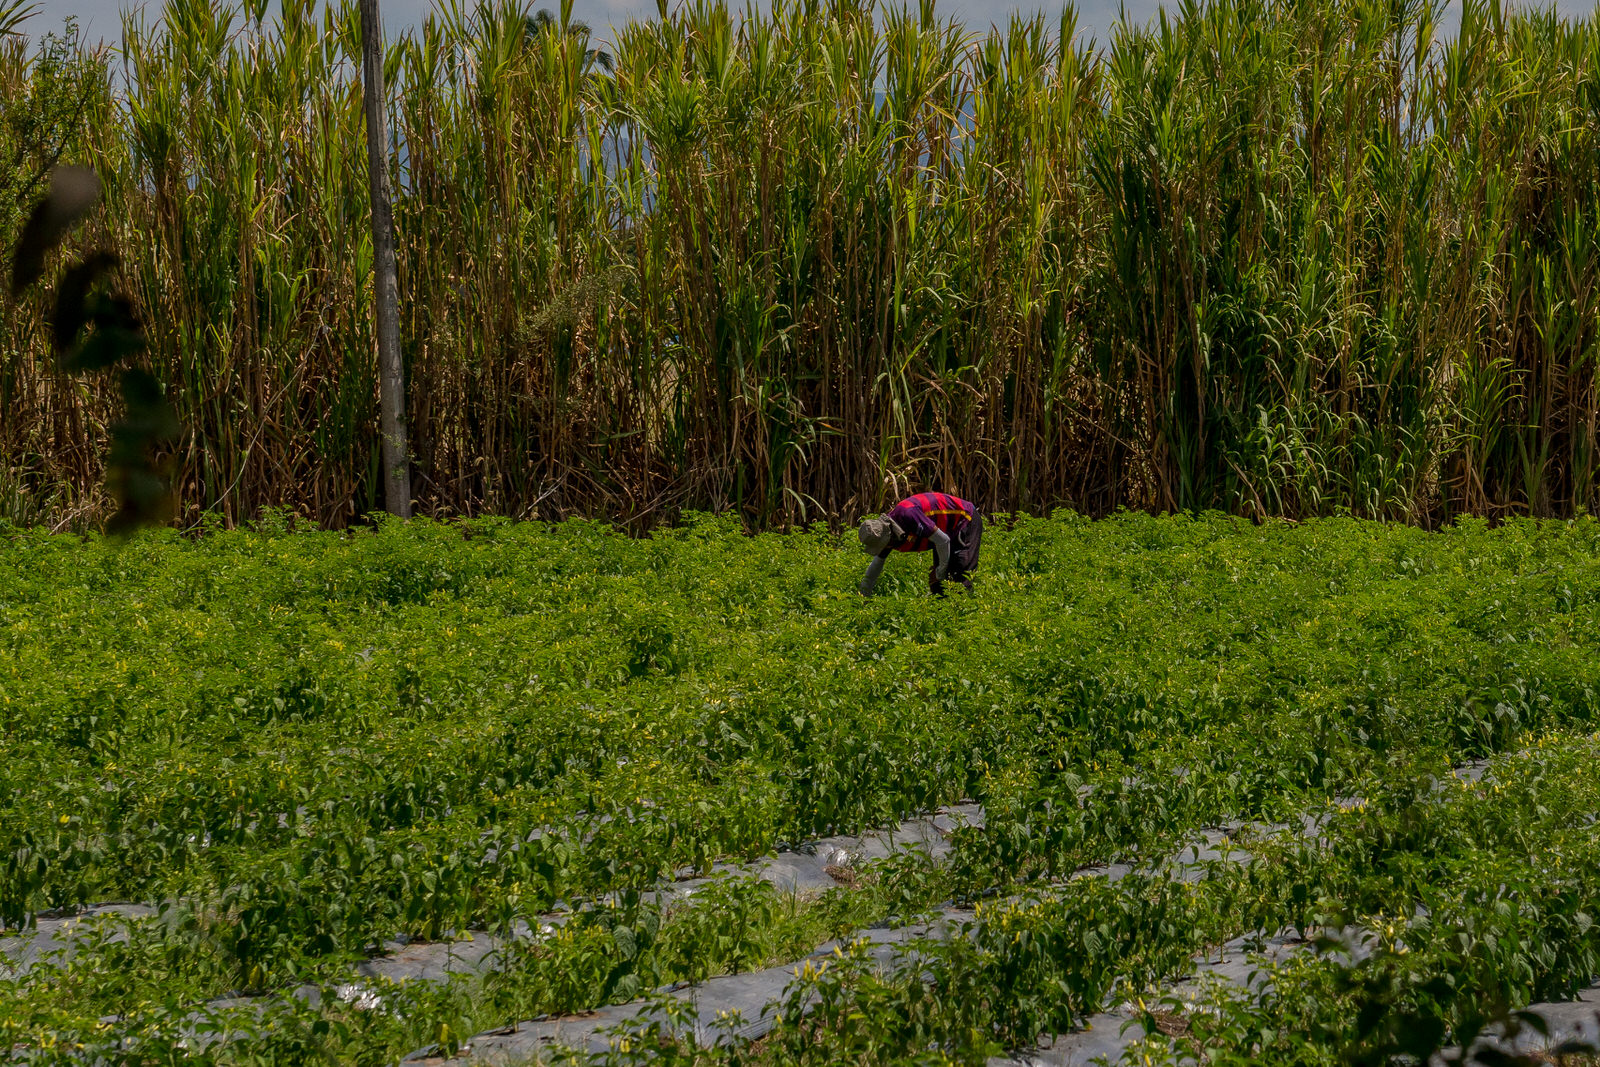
142	492
1576	1046
74	310
73	191
1369	1016
1530	1020
133	474
1420	1036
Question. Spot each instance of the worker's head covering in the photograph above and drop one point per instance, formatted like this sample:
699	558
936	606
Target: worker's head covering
876	533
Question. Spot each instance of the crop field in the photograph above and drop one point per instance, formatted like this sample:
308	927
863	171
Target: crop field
300	748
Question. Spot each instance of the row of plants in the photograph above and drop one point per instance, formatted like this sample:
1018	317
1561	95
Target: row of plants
1432	914
1471	899
662	703
1270	256
1468	904
1429	915
167	982
316	741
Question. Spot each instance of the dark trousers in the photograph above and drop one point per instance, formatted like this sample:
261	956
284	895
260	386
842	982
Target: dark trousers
964	549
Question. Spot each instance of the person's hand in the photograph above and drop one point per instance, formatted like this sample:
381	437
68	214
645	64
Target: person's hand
966	583
935	586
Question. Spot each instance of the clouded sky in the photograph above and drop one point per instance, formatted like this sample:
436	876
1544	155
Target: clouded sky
99	17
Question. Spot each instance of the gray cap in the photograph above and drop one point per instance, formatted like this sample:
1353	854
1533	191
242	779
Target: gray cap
875	534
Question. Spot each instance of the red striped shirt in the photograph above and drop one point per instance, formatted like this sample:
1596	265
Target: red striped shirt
920	515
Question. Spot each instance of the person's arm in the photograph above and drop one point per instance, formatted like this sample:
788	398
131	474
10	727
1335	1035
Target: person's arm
941	552
874	569
913	522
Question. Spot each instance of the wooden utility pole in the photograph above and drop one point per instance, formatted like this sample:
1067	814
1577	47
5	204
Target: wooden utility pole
385	283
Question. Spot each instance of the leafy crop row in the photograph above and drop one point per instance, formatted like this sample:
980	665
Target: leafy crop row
1470	901
318	741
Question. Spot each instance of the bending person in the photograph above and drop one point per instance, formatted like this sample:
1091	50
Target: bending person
948	525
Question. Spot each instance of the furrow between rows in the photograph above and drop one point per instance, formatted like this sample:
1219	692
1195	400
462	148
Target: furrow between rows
746	1007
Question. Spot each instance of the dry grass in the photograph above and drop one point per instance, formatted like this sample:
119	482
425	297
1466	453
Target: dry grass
1270	256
